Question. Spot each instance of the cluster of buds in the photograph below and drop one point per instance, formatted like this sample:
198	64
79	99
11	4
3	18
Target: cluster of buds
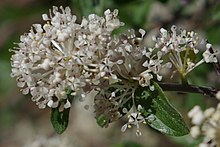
206	123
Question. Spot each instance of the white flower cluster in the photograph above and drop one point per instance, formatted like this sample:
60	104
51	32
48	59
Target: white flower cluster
181	48
206	123
63	55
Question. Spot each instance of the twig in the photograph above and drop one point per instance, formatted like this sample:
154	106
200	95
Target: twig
209	91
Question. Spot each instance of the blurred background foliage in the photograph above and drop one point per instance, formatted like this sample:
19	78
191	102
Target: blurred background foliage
23	124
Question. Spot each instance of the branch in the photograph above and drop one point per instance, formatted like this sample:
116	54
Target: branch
208	91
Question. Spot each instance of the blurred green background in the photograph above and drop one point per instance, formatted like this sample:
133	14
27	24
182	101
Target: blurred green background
23	124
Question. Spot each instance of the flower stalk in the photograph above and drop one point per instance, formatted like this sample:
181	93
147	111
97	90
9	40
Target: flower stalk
187	88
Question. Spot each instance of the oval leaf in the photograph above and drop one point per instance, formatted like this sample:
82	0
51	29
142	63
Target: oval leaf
101	120
165	118
59	120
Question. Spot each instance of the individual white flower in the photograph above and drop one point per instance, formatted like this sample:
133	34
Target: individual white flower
195	131
134	119
145	78
197	115
208	55
198	118
218	95
208	112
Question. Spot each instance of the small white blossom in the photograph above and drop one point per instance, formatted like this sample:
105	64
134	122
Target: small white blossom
195	131
218	95
209	55
208	112
196	115
134	119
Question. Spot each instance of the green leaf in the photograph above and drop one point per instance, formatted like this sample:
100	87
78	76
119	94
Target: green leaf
165	118
101	120
59	119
